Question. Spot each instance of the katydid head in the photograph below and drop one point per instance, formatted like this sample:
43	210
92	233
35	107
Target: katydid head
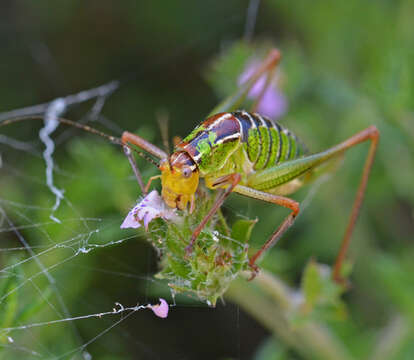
179	180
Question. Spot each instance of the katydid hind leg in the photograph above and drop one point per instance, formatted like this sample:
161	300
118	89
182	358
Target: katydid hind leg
372	134
280	230
295	168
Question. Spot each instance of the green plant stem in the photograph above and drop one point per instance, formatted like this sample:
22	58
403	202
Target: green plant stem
269	301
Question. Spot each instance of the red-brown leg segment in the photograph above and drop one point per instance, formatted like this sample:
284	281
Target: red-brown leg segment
371	133
232	180
176	140
150	180
129	138
136	140
286	224
135	169
308	163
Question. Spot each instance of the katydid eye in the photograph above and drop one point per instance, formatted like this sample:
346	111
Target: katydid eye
187	172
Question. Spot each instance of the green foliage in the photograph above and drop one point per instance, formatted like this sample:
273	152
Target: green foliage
322	296
397	279
216	259
17	309
225	70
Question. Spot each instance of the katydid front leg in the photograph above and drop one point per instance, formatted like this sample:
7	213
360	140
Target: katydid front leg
143	144
137	173
231	180
129	138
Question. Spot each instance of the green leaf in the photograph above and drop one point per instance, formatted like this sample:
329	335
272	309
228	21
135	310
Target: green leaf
242	230
180	268
312	283
322	295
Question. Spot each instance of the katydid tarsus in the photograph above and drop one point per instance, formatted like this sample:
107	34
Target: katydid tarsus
245	153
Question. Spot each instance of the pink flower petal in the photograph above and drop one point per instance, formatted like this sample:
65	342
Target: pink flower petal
147	219
161	310
273	103
130	221
149	208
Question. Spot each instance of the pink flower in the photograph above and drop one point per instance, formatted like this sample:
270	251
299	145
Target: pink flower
149	208
273	103
161	309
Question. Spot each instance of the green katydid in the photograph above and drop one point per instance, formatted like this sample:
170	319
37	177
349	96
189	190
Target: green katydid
245	153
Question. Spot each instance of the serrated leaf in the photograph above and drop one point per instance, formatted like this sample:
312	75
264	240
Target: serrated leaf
174	243
179	268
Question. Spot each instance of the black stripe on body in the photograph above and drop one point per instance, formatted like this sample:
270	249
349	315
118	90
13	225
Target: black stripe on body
265	133
287	132
256	119
282	146
251	142
279	150
269	126
294	142
245	124
256	123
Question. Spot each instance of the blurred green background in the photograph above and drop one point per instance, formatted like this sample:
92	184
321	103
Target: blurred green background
346	65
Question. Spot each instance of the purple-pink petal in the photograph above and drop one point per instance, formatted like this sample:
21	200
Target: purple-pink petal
161	309
153	197
147	219
130	221
150	207
273	103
